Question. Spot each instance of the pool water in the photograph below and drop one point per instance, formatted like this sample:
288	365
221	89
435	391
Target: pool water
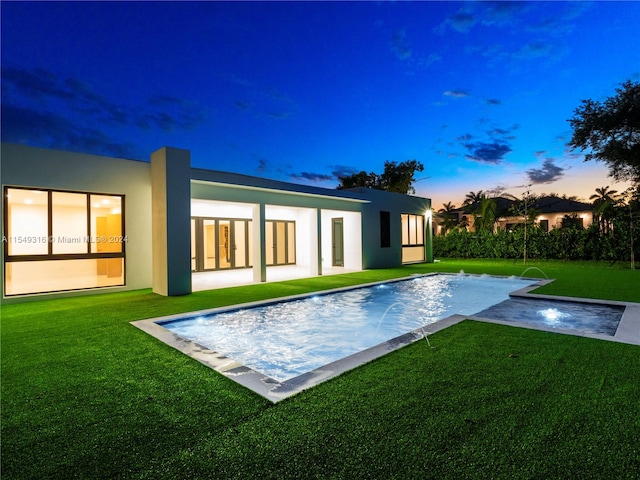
286	339
586	317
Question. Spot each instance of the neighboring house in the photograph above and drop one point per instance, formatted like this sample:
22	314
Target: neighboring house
74	221
550	211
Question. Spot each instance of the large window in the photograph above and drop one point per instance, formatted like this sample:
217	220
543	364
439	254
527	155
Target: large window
412	238
58	240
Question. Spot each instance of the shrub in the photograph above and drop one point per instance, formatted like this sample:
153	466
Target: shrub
559	244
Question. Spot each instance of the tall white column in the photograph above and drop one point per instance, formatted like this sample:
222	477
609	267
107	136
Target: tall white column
315	241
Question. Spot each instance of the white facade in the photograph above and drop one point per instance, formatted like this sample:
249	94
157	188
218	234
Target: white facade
76	224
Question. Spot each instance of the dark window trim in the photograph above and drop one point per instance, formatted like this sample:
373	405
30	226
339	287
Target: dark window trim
409	215
50	256
287	260
62	256
199	232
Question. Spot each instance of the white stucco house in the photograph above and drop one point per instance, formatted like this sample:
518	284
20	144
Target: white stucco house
75	223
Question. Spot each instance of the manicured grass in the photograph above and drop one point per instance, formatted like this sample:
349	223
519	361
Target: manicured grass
86	395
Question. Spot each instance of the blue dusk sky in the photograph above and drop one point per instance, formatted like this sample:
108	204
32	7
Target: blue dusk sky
479	92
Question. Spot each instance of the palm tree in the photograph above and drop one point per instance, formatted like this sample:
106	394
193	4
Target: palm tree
603	202
448	217
473	199
485	216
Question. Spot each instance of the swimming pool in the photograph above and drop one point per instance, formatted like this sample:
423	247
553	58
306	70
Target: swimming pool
286	339
387	315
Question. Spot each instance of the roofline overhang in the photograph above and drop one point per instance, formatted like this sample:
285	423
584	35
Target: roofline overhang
278	191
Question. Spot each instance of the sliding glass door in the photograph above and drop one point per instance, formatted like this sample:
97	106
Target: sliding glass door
281	242
227	243
220	243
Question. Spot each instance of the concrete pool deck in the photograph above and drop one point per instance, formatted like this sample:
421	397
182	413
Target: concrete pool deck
628	331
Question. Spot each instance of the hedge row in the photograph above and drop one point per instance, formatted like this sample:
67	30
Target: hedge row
560	244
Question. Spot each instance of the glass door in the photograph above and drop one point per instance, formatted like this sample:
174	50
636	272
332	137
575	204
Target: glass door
337	233
208	242
280	238
225	250
219	244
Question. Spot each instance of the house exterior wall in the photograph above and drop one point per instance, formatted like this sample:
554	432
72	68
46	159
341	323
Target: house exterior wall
59	170
312	211
554	220
373	254
158	204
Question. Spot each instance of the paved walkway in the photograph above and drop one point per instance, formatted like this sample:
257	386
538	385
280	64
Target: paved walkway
233	278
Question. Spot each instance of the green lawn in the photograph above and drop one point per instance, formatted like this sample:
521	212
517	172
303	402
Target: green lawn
86	395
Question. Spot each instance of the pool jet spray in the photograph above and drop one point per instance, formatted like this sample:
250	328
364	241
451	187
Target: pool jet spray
426	338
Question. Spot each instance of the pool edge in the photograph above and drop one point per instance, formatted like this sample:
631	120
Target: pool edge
628	332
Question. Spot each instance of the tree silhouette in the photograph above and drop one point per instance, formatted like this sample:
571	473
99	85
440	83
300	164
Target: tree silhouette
604	201
473	199
610	132
485	216
397	177
448	217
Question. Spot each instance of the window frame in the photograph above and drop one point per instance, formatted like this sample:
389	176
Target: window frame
50	238
419	232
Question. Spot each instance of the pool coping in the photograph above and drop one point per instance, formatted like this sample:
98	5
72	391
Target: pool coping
628	331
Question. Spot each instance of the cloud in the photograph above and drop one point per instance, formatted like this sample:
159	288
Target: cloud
537	49
458	93
464	138
495	191
499	14
503	133
262	165
313	177
243	105
429	60
491	153
73	102
461	22
502	13
494	148
339	171
279	115
549	173
261	101
46	129
498	131
561	21
400	45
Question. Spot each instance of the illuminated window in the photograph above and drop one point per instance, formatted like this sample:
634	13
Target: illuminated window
412	238
58	240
